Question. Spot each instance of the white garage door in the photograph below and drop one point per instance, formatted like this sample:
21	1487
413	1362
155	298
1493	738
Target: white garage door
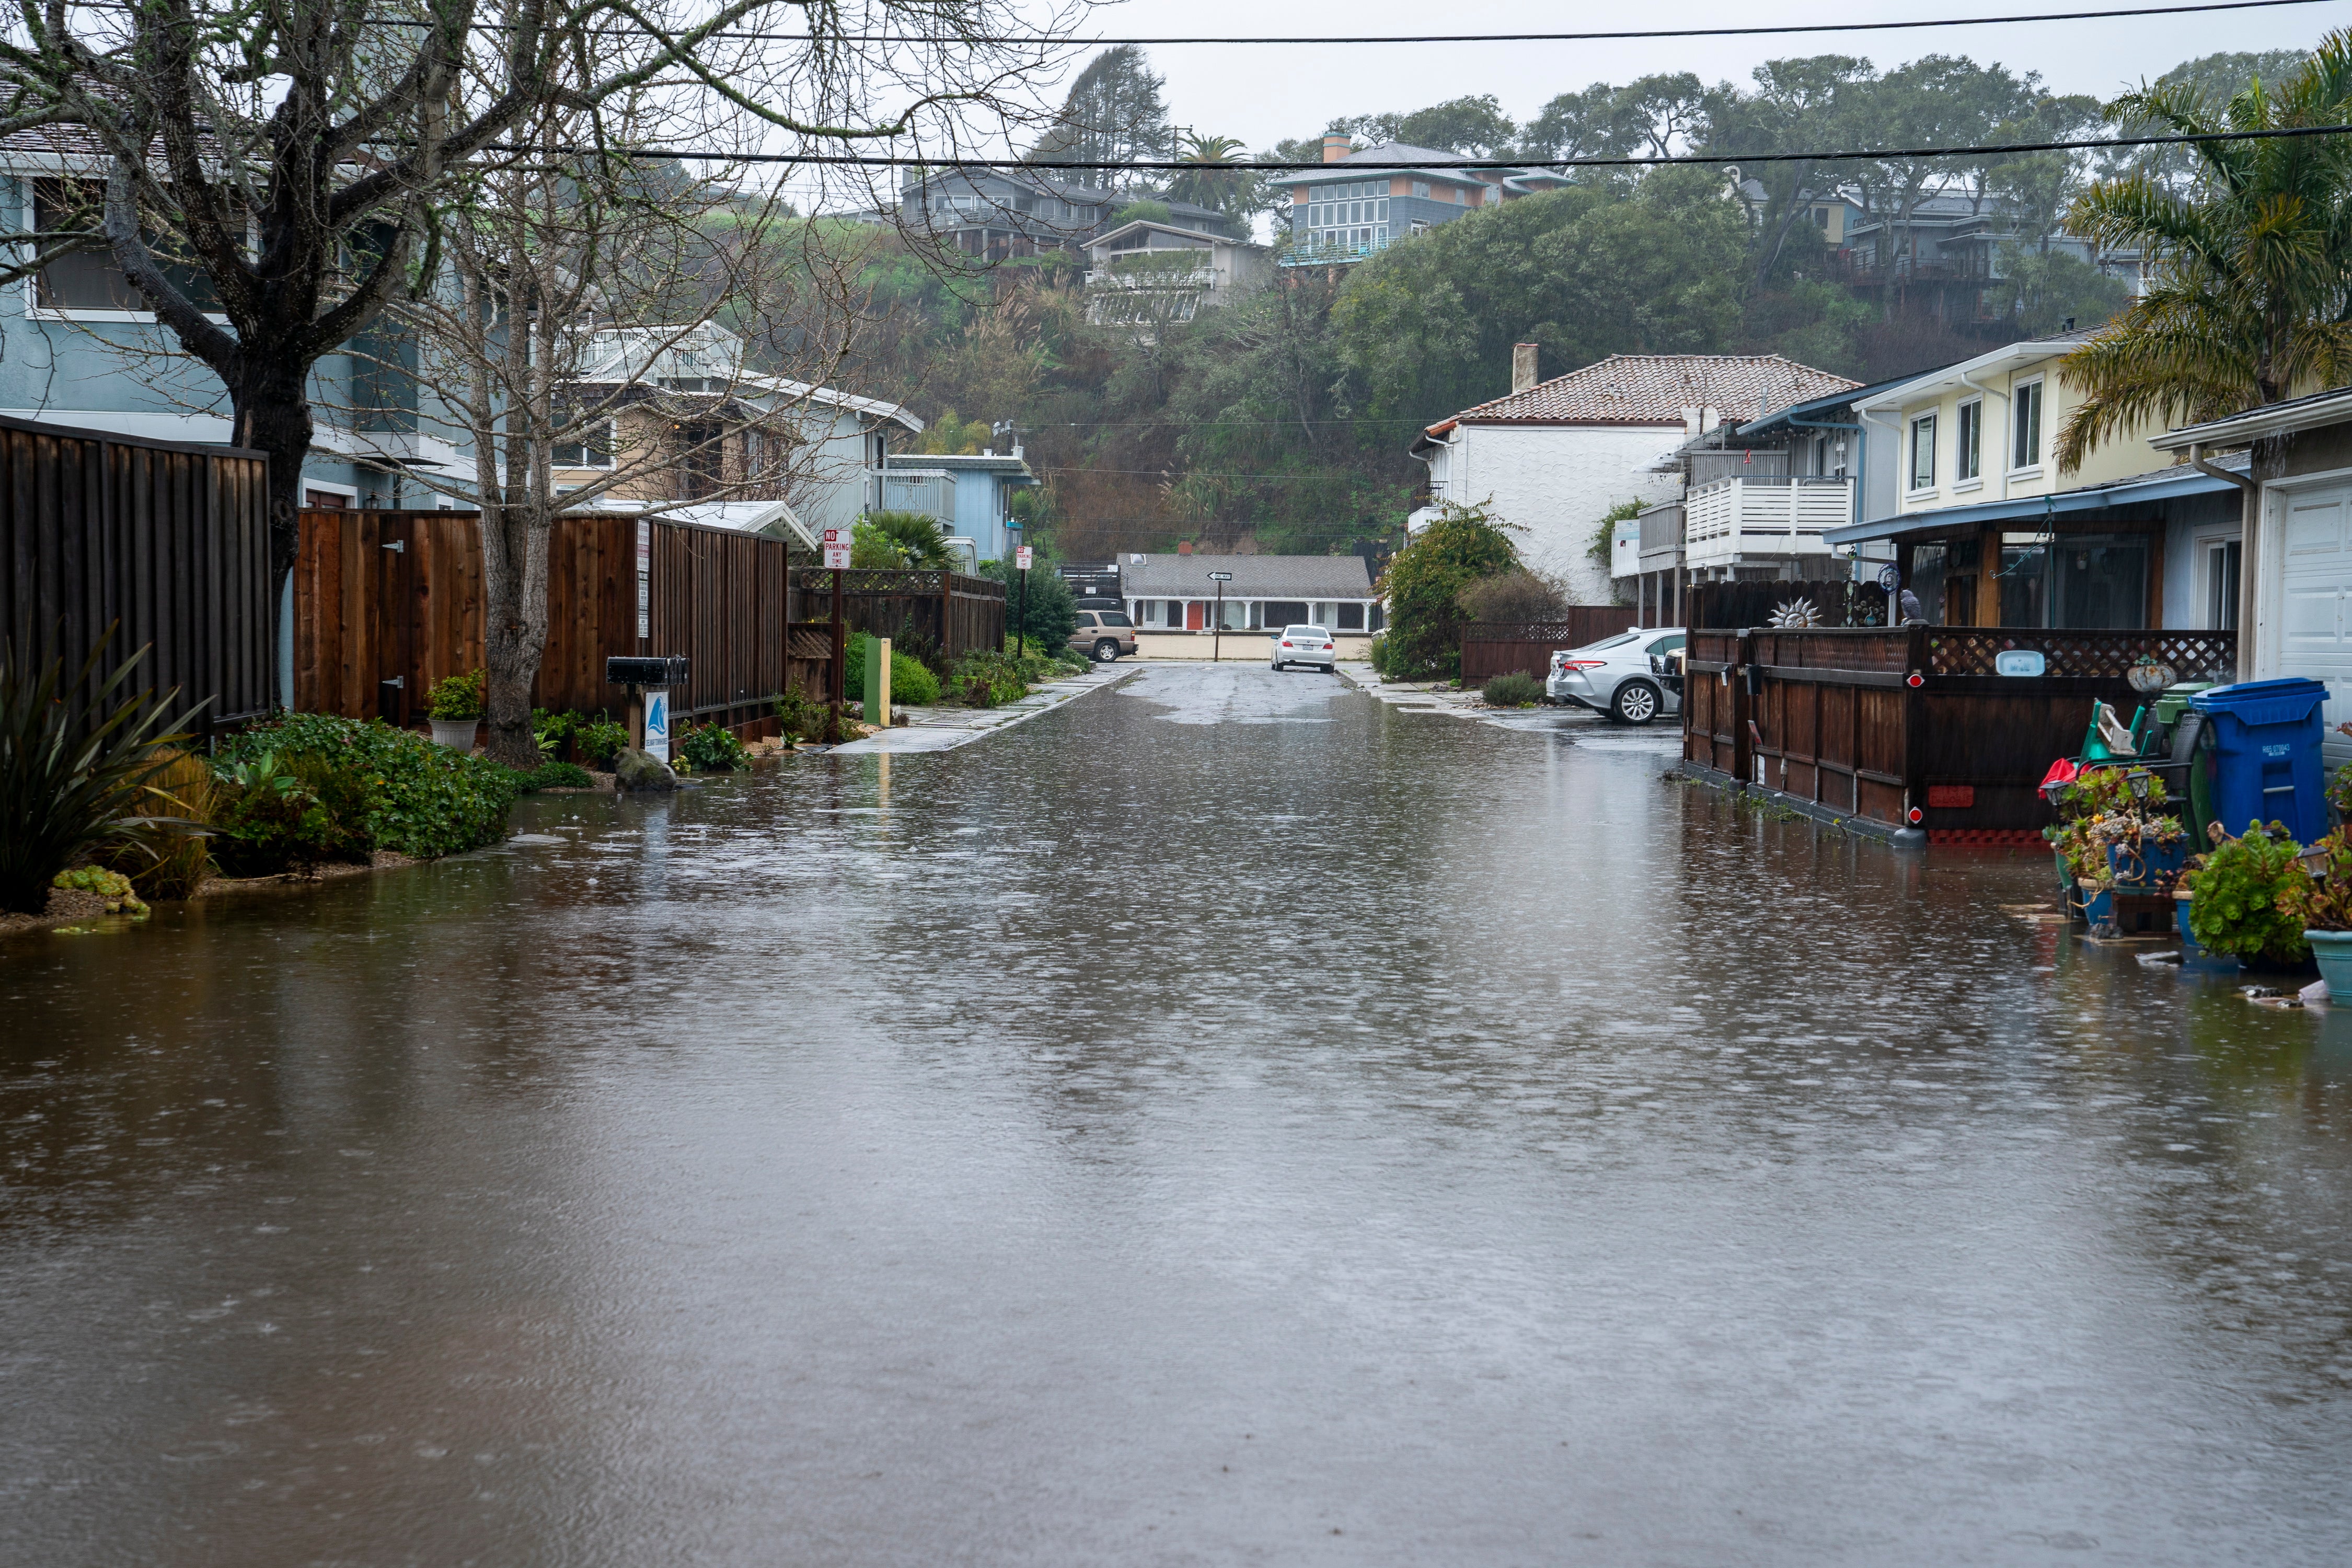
2315	612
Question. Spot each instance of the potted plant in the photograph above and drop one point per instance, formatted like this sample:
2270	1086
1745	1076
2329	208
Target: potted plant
2237	912
457	710
2321	901
2113	837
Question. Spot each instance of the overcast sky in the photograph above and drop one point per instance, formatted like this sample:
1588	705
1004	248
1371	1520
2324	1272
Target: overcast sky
1260	94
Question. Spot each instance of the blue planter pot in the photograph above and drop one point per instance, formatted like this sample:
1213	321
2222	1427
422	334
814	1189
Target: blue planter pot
2097	909
2332	948
2150	866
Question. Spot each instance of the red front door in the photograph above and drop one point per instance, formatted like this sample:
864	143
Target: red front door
1196	616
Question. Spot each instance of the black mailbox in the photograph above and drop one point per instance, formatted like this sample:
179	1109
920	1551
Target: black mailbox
670	671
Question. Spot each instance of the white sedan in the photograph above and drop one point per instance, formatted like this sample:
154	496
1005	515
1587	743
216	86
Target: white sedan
1614	676
1305	645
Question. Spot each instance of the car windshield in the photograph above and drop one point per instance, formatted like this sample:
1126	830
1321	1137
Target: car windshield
1304	632
1116	618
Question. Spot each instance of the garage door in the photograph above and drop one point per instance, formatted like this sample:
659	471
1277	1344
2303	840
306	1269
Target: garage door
2315	612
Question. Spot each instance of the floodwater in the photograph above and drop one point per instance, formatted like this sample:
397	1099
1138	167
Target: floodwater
1222	1121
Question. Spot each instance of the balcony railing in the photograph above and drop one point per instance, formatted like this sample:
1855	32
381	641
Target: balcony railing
1778	516
1313	255
1150	279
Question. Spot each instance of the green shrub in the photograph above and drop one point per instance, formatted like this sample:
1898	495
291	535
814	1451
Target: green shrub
554	775
429	800
459	696
1050	615
1422	584
984	678
798	718
911	682
77	772
712	749
291	814
1515	690
600	740
111	886
2237	908
185	791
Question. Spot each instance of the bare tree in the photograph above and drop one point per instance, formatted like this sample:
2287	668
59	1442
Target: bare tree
296	152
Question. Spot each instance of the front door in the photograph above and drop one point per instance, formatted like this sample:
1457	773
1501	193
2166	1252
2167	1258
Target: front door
2311	628
1196	616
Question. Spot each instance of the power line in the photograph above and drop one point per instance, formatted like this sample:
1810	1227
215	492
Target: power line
1170	165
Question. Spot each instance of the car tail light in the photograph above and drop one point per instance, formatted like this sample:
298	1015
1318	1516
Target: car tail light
1286	645
1581	663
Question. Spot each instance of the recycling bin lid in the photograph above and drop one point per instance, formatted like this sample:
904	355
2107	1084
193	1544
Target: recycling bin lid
2286	700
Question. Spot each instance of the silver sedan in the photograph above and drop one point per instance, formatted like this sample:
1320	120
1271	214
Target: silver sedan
1614	676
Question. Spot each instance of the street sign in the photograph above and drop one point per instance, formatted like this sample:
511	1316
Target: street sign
658	724
832	536
1024	556
836	558
1221	576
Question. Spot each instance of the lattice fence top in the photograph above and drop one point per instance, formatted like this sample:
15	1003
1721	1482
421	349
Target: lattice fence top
2103	656
818	580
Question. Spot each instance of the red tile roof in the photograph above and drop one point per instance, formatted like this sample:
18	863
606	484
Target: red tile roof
1655	389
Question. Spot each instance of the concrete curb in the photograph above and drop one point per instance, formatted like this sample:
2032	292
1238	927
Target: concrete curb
923	739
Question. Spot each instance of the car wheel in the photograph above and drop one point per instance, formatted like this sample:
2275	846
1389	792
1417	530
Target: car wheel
1106	651
1277	667
1636	702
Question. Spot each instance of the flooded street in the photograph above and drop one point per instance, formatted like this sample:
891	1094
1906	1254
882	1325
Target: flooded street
1223	1120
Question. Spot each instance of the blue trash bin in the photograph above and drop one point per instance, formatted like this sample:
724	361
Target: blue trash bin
2266	755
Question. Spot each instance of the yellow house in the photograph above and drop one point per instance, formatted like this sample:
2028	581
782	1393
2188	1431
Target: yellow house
1987	531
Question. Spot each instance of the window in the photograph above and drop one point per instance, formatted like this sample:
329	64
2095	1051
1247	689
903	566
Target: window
1352	618
1113	618
88	280
1967	463
1421	189
1821	217
591	449
2026	450
2221	557
1922	453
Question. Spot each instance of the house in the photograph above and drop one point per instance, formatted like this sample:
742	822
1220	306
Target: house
79	349
1147	274
971	496
1950	250
998	215
1176	592
730	445
1758	497
1988	532
1554	455
2291	557
1359	201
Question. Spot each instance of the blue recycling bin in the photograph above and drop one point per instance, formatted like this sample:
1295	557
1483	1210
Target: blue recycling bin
2266	755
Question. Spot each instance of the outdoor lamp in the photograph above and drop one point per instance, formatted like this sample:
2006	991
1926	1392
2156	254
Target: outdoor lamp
2137	780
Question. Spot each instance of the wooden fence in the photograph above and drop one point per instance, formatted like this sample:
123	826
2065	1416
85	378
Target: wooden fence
1490	648
1914	728
386	602
169	542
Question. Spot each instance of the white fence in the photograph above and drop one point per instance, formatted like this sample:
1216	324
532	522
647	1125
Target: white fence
1772	516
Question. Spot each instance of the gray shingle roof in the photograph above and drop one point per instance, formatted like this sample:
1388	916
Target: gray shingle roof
1254	576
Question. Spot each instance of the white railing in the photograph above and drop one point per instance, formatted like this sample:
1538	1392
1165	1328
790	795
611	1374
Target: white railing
1775	516
919	492
1113	277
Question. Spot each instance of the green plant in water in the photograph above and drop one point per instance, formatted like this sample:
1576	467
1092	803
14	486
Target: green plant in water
2245	904
428	800
458	697
554	775
1515	690
2323	900
712	749
2098	812
77	763
111	886
280	814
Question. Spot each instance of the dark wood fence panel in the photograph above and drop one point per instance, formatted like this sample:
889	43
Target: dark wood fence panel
959	614
171	541
1490	648
1833	718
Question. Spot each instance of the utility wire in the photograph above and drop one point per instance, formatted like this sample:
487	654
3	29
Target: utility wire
951	164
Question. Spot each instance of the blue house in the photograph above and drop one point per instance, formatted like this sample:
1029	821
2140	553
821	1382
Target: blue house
974	496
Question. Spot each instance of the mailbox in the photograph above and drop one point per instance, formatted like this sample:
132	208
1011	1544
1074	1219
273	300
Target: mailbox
669	671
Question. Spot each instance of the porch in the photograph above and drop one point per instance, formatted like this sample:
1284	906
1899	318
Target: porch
1736	522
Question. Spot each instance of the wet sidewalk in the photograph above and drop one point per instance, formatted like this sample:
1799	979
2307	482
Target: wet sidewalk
944	728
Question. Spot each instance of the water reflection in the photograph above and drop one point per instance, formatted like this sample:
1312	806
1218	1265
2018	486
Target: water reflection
1217	1115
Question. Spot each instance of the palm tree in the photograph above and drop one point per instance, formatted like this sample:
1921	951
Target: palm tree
1229	191
2250	294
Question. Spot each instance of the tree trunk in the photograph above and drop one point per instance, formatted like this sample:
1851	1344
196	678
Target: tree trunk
272	415
514	627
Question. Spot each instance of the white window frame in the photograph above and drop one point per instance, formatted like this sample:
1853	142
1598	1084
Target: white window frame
611	448
1911	485
1963	477
2017	406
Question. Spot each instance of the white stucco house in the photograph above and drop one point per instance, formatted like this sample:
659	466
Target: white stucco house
1553	457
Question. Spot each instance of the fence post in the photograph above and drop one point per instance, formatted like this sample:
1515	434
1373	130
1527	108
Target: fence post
1914	726
1743	748
947	613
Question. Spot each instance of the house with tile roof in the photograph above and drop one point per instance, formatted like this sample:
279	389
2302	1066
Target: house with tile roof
1553	457
1361	201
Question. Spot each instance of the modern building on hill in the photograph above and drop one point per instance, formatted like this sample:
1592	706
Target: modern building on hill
1359	202
1148	275
971	495
998	215
1553	457
1177	593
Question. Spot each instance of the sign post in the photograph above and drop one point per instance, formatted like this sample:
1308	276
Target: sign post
1023	557
650	683
836	560
1217	629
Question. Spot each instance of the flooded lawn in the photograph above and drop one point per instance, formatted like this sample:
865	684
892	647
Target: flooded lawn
1225	1121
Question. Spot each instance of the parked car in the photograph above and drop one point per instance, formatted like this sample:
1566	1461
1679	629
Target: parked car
1103	635
1305	645
1614	676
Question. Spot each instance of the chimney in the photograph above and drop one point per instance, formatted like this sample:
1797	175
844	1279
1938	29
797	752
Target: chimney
1183	547
1338	145
1523	366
